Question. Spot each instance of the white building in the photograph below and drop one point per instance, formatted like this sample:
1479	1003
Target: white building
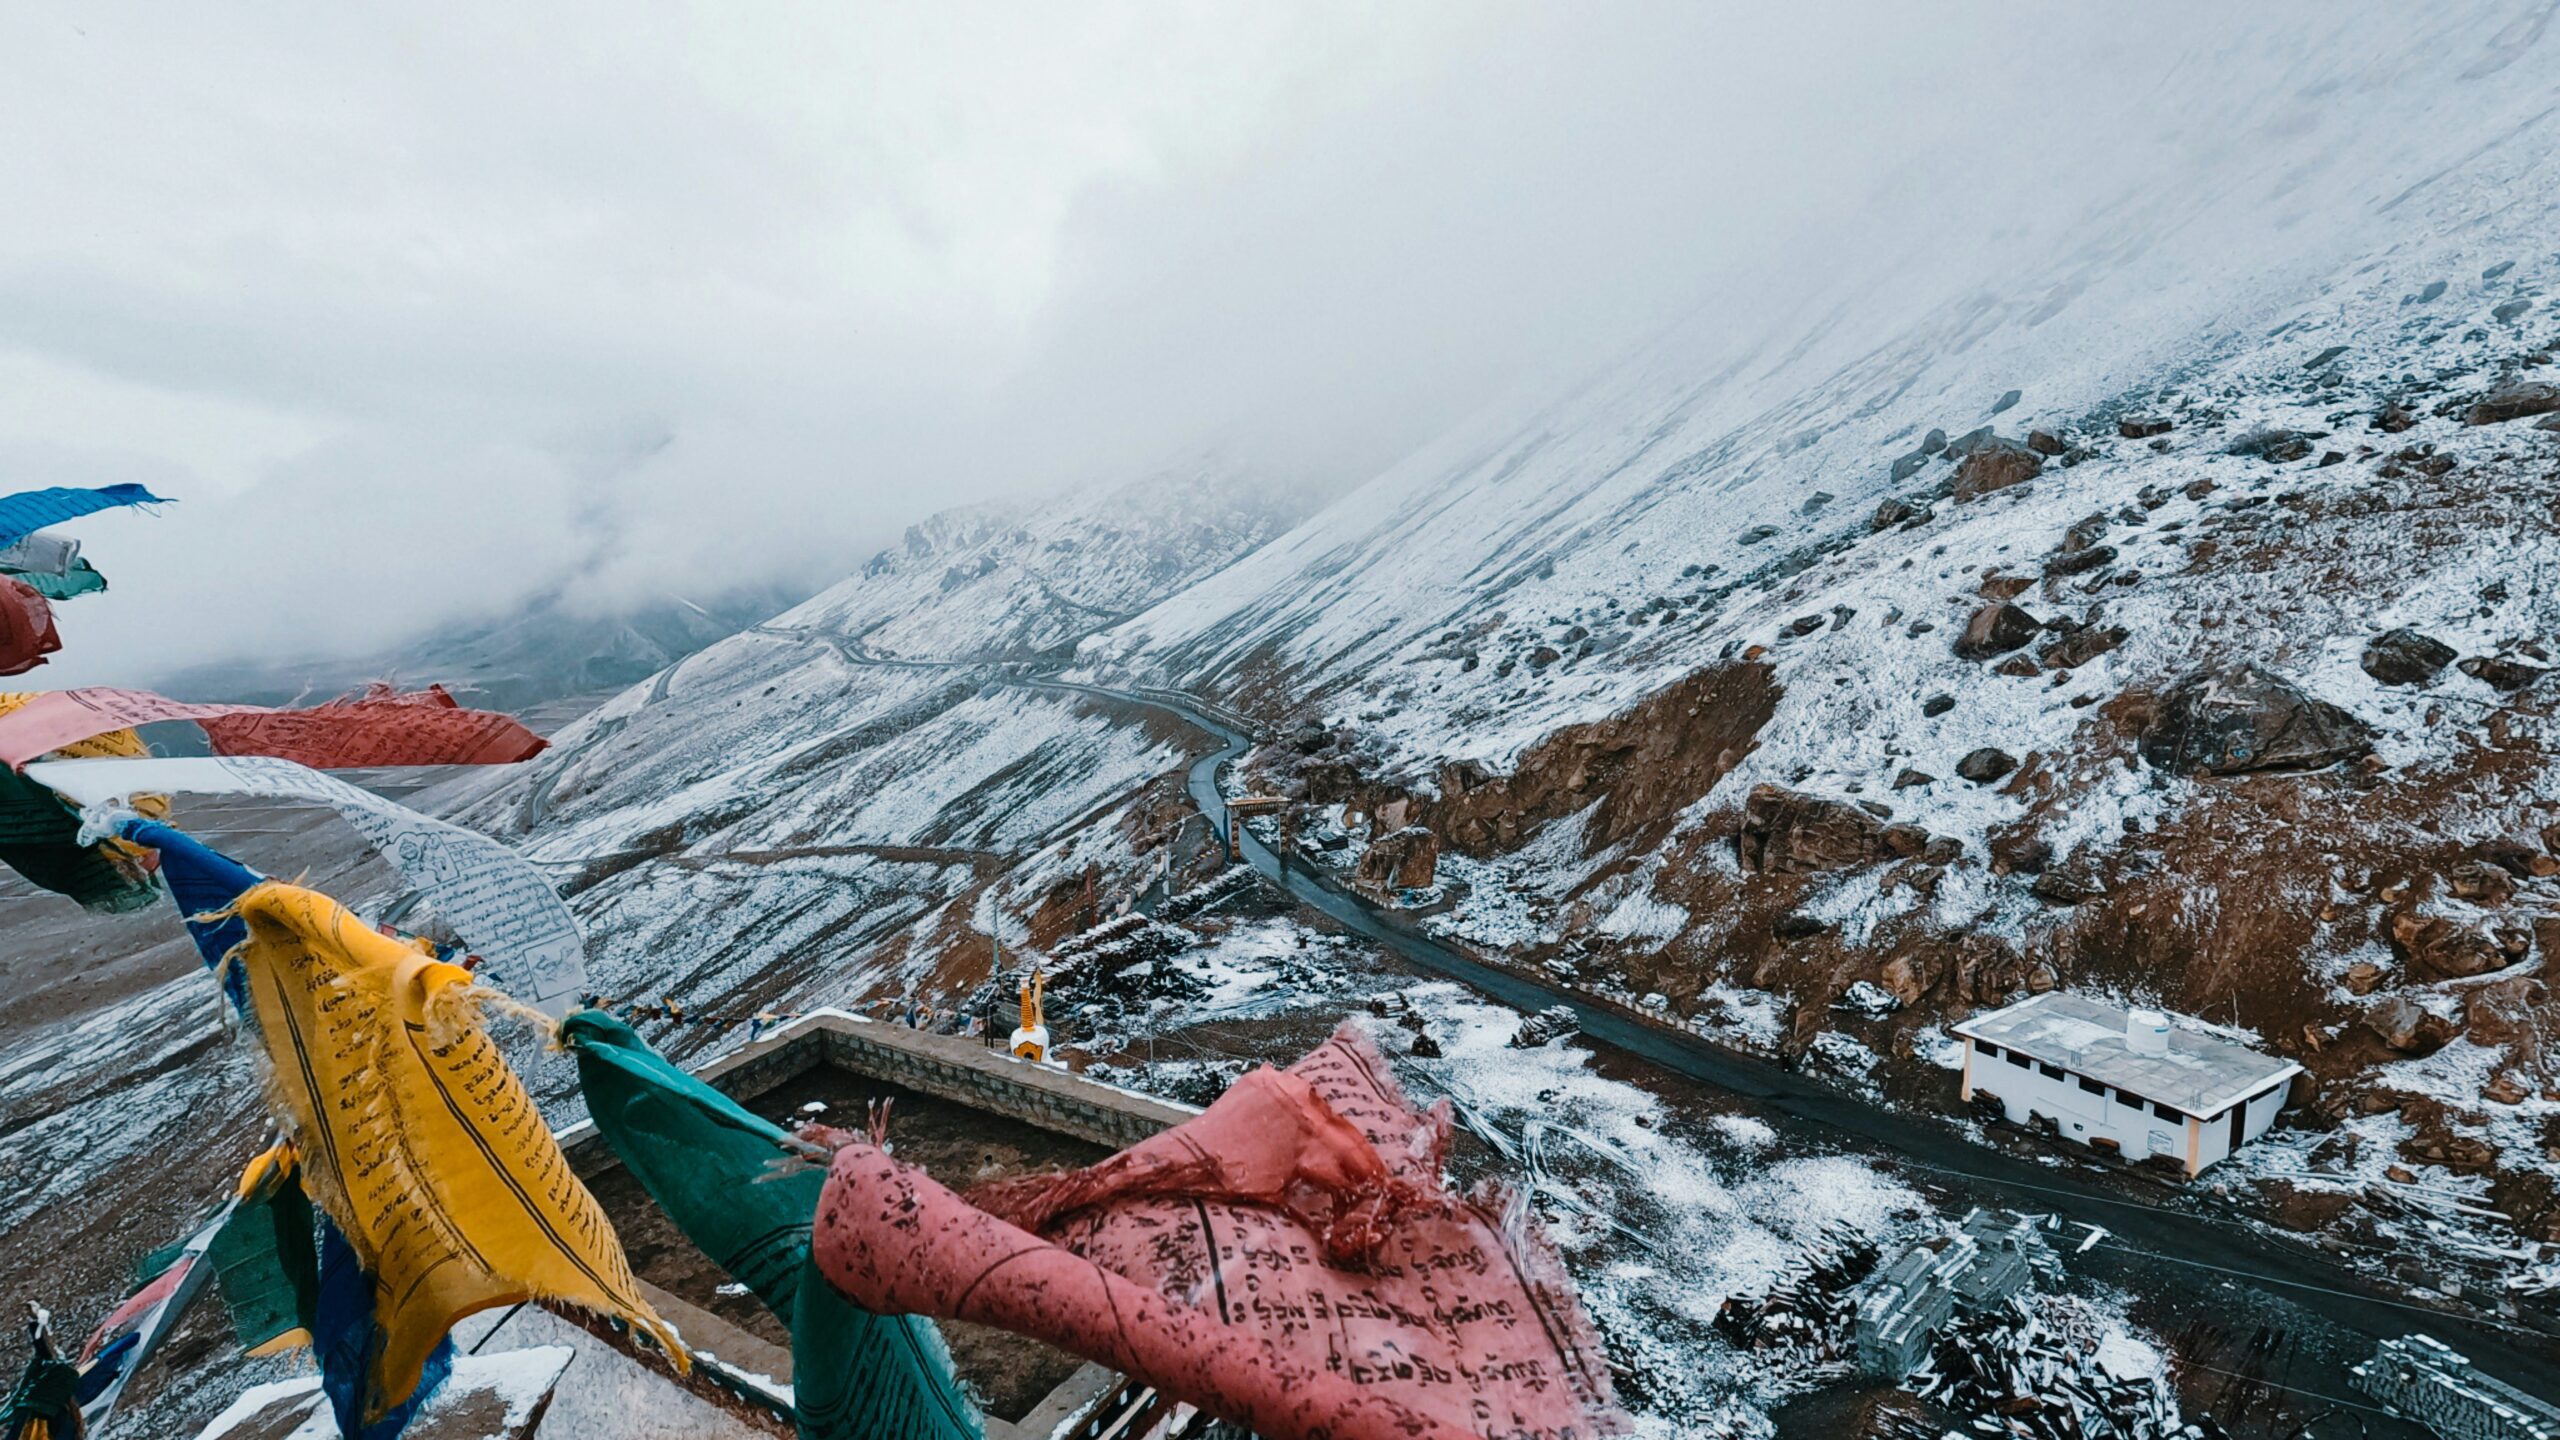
2122	1080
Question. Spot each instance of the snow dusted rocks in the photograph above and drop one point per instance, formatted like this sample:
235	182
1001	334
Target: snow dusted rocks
1996	629
1995	464
2231	720
1788	832
2405	657
2502	672
1986	764
2515	400
1556	1022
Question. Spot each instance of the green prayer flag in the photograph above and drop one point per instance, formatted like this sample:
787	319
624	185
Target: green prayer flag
32	815
43	1406
80	872
38	839
81	579
266	1259
148	1268
738	1188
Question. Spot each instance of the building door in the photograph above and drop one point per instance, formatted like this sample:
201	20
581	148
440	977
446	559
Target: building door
2239	1125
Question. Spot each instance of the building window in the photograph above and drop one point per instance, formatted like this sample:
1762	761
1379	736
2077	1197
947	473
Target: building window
1988	1051
2092	1086
2050	1072
2165	1113
2017	1059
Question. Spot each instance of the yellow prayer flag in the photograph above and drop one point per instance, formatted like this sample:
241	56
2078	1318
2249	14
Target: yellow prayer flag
416	1136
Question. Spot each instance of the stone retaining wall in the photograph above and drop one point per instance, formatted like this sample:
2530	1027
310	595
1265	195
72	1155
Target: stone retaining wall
959	1069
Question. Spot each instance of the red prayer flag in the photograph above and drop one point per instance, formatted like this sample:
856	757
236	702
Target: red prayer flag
379	727
1289	1261
26	628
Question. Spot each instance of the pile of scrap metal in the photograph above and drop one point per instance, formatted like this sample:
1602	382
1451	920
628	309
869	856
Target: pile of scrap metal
2429	1382
2013	1376
1807	1308
1554	1023
1992	1257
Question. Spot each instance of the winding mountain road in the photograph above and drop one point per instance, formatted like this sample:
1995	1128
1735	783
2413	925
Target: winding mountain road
2220	1248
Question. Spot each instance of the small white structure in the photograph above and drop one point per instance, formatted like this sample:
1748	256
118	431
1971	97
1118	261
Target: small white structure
2122	1080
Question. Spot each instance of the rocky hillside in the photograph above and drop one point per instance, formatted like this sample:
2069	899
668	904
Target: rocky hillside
2148	594
817	809
2164	613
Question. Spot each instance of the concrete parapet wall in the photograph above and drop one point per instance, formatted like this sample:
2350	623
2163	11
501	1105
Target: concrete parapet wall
966	1072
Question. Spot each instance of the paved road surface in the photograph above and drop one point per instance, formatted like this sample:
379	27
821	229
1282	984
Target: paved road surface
2218	1249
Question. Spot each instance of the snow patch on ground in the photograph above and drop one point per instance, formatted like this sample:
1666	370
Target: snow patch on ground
1662	1215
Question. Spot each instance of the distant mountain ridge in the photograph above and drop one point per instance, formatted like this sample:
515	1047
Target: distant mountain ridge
545	651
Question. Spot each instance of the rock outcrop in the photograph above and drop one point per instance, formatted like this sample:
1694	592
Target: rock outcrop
2438	948
1789	832
2405	657
1996	629
1406	859
1644	766
2236	719
1995	464
2515	400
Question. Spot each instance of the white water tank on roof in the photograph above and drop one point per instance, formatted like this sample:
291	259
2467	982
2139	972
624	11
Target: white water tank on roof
2146	1032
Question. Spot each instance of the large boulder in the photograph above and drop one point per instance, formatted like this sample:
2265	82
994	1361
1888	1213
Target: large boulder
2405	1026
2481	882
2082	646
1788	832
1996	629
2080	562
2501	672
2436	947
1995	464
2235	719
2405	657
1405	859
1986	765
2514	401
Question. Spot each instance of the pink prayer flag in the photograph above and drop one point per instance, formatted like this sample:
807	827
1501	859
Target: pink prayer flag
1290	1261
136	1307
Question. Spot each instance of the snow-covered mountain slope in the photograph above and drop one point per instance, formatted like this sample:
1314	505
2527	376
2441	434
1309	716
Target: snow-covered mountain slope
2360	177
1576	641
811	811
1746	557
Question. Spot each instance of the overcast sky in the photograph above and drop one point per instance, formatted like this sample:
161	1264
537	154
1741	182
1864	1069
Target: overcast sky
415	313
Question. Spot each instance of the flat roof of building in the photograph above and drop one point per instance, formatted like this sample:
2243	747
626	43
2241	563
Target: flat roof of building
2201	1076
